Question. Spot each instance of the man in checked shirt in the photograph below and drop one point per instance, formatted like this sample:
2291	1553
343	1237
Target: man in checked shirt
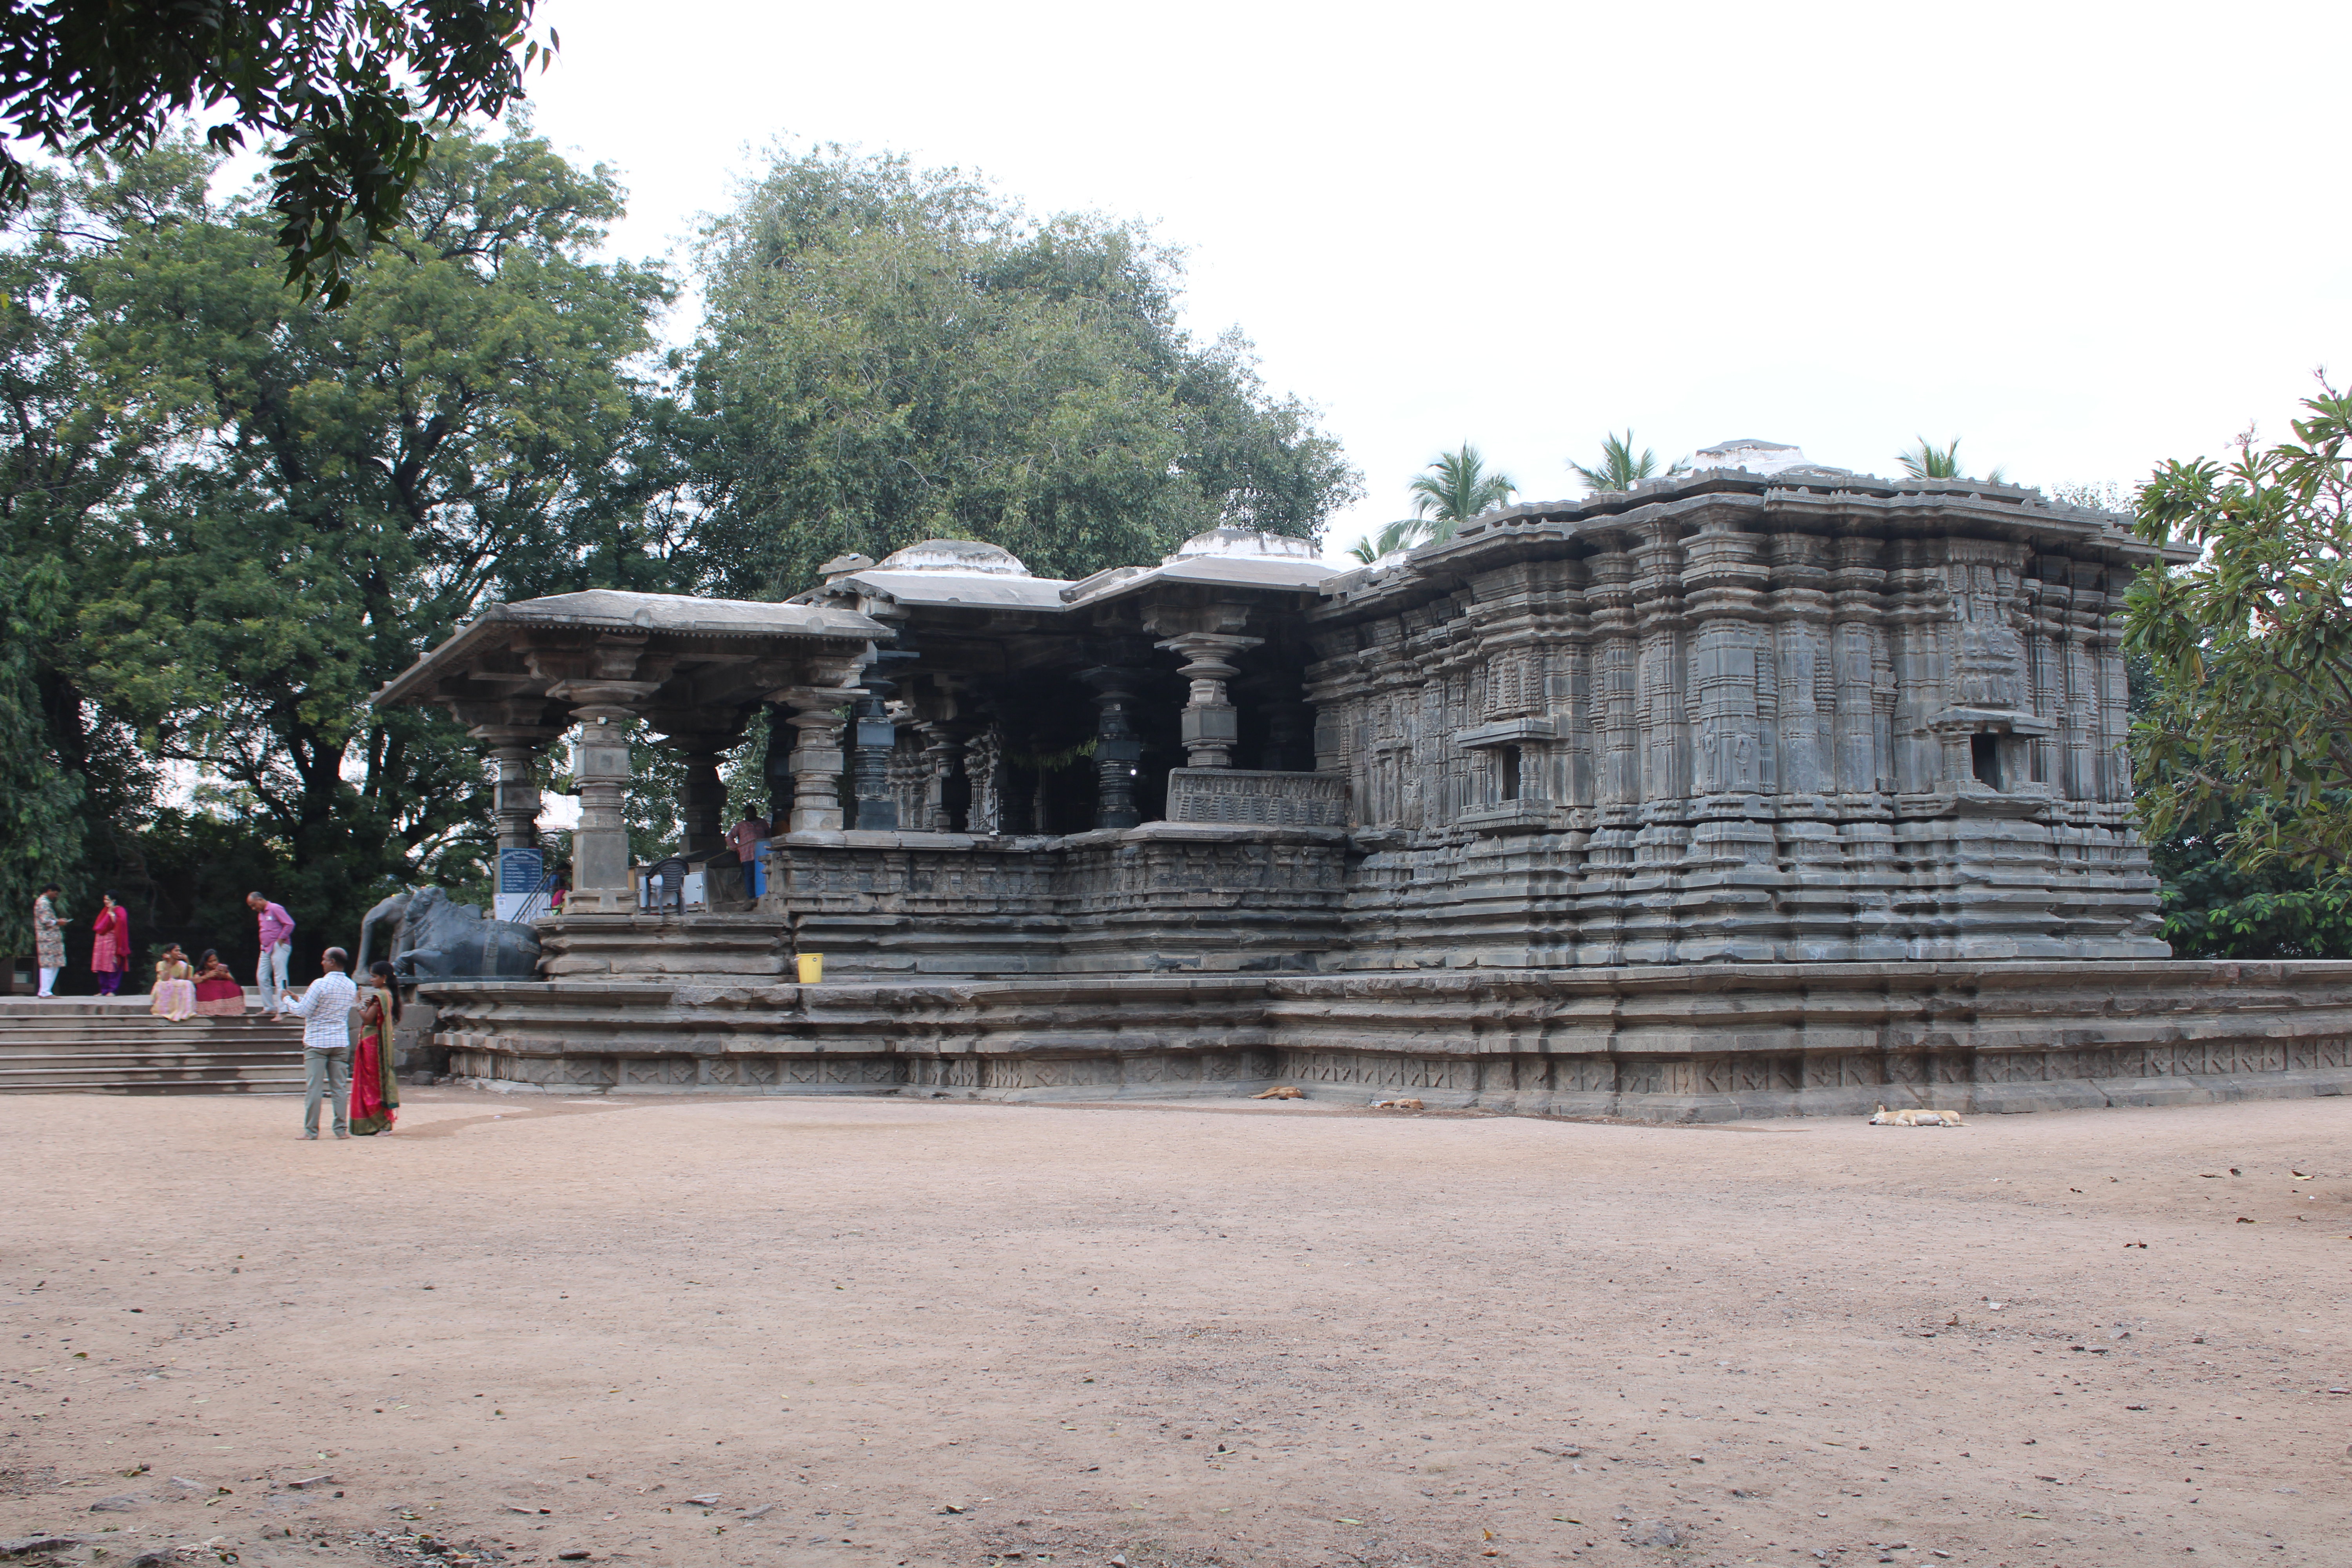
325	1010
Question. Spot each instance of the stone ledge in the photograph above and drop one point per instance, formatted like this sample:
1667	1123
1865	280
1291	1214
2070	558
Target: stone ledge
1705	1044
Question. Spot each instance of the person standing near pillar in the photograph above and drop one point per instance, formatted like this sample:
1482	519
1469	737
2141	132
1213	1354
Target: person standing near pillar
48	939
745	836
277	950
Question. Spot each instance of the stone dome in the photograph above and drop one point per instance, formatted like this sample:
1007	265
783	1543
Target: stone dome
955	555
1243	544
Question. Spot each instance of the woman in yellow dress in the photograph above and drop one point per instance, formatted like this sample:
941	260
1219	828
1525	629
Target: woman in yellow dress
175	986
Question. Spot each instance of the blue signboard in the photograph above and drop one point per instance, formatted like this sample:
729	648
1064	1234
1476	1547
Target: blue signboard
521	869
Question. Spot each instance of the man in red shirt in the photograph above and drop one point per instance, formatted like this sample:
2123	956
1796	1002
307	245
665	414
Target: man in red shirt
744	836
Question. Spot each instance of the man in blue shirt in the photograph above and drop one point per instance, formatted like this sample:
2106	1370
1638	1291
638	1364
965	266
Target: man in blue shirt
325	1010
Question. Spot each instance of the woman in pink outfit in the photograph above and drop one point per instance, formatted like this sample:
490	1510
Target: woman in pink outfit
110	948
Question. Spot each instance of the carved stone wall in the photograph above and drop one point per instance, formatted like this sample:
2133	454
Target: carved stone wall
1761	725
1261	799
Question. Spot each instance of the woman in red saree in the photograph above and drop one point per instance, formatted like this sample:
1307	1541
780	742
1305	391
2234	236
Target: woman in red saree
376	1092
218	993
110	948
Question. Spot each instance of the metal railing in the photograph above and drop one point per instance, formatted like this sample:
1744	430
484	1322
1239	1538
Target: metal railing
539	901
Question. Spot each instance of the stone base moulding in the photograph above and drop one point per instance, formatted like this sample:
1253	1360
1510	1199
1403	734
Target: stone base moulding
1700	1043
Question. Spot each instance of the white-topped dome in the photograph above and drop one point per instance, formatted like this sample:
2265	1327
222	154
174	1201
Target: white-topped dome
955	555
1243	544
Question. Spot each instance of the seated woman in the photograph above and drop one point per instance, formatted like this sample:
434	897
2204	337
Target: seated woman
176	989
218	994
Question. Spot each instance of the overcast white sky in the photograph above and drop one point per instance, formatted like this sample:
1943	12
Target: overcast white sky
2082	237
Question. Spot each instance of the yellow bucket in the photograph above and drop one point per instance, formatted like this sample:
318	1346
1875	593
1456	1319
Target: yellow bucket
811	968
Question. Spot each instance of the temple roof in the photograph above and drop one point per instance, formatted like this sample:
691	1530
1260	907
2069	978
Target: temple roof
496	654
1223	558
943	573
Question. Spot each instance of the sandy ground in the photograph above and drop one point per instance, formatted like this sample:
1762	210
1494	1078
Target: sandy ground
884	1331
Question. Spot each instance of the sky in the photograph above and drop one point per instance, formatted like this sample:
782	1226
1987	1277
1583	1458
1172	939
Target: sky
2082	238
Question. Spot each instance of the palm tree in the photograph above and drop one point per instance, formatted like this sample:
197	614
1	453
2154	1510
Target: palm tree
1929	461
1620	470
1456	489
1396	536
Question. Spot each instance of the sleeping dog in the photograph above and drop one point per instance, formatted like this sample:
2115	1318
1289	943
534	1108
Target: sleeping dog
1886	1118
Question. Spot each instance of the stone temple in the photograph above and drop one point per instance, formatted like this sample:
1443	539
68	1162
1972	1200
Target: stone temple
1767	789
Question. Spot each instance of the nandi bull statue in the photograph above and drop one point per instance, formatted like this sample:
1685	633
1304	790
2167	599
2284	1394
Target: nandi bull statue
432	937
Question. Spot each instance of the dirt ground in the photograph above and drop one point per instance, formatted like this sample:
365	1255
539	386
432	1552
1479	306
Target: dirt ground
884	1331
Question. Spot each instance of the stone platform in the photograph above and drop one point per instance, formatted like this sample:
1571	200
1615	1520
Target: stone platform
1662	1043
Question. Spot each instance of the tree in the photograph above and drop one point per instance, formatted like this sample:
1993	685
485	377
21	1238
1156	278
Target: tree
72	779
1456	489
2215	907
1929	461
40	827
891	355
1620	470
2251	720
1401	534
347	91
340	488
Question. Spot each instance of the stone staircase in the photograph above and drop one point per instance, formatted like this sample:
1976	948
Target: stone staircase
95	1045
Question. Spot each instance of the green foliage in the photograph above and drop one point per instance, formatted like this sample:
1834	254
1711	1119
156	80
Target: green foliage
264	510
1928	461
346	91
892	355
1621	469
40	831
2251	721
2215	907
1455	488
1401	534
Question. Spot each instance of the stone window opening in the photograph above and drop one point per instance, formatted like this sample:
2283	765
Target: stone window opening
1984	760
1506	773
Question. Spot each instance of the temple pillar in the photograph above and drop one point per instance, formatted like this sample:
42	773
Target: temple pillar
702	799
1117	749
946	807
1211	725
816	756
514	751
600	847
875	737
776	764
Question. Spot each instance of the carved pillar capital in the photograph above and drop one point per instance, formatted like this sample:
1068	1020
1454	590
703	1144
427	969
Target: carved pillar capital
1211	725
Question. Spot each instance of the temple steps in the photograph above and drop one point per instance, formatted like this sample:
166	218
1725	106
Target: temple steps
89	1045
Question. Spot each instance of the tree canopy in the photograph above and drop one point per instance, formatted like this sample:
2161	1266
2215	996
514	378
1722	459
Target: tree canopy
1928	461
346	91
1621	468
1456	487
891	354
260	510
2251	719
